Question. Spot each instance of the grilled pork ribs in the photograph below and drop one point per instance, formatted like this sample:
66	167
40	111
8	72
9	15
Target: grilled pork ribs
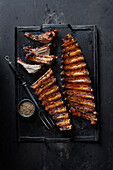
77	83
39	54
48	93
44	38
75	77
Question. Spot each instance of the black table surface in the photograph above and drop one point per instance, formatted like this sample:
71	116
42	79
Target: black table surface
57	156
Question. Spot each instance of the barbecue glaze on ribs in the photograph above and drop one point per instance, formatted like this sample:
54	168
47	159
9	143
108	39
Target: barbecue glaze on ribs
76	81
48	93
44	50
39	54
44	38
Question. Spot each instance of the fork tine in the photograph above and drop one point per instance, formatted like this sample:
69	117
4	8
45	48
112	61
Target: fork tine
51	121
44	123
47	120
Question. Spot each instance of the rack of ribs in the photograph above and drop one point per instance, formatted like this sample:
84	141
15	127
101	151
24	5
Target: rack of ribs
44	38
76	81
48	93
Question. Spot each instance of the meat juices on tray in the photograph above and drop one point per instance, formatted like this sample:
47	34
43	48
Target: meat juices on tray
48	93
76	81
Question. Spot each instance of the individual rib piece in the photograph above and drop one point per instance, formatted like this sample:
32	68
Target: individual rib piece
44	50
41	79
44	38
76	81
39	54
43	59
48	93
29	67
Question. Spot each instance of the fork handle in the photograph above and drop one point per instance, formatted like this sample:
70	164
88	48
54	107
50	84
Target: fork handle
33	99
23	82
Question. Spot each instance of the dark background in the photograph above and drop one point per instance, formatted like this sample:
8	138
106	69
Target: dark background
57	156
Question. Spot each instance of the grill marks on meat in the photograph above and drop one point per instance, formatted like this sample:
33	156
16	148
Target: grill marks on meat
74	66
39	54
73	60
52	97
44	50
75	78
76	81
41	79
46	86
79	93
44	59
48	93
44	38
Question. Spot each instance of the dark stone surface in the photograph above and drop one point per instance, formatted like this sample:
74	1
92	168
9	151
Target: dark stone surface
58	156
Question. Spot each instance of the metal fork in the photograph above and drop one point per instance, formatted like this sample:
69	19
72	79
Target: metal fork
47	121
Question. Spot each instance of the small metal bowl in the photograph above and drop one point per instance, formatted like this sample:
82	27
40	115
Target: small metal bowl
18	108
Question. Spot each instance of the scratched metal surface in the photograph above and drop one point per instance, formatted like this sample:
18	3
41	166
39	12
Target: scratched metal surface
57	156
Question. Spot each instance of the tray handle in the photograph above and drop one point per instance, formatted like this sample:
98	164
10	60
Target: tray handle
70	27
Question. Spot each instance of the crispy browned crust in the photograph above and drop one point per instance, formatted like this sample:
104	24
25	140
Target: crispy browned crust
74	66
63	122
81	100
70	48
58	110
45	82
67	127
82	108
73	60
73	80
44	38
39	90
42	78
68	42
79	93
76	81
60	116
44	50
44	59
48	93
39	54
51	97
53	104
76	72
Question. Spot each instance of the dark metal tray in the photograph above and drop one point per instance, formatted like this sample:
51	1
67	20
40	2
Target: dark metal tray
32	129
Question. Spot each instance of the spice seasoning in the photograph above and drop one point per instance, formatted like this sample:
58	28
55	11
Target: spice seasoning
26	108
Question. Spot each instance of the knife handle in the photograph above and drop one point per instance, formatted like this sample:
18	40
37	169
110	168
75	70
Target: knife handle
33	99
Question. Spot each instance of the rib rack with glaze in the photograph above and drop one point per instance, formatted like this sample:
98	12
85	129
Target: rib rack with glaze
48	93
76	81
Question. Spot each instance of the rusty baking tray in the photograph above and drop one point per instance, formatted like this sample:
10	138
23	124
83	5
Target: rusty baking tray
32	129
